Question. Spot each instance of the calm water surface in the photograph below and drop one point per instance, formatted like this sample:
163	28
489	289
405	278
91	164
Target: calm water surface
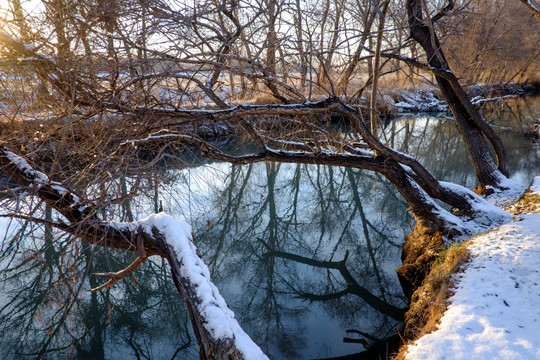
270	234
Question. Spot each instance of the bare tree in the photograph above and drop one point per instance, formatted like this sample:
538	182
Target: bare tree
474	128
500	39
368	15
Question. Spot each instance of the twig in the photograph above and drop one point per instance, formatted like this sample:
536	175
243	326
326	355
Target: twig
119	275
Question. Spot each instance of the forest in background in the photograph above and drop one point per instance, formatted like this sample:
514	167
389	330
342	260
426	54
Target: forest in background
214	53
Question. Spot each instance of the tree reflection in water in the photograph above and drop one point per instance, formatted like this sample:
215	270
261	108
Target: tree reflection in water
47	312
274	236
274	222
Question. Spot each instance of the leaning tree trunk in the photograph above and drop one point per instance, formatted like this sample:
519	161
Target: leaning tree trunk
473	127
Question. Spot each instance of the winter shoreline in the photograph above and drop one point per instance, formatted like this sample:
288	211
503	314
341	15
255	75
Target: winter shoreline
491	307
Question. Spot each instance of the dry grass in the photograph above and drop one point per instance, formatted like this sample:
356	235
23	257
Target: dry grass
429	301
403	80
260	98
528	203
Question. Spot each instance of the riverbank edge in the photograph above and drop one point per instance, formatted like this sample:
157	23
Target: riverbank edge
392	103
438	264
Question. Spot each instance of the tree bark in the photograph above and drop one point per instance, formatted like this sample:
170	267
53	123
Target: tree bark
373	113
473	128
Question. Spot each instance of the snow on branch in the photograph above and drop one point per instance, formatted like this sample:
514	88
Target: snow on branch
486	215
21	47
533	9
218	332
33	176
21	171
47	69
215	322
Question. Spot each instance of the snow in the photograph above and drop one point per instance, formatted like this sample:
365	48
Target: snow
36	176
6	37
478	100
423	100
535	187
532	6
39	179
495	310
510	195
220	320
487	214
160	135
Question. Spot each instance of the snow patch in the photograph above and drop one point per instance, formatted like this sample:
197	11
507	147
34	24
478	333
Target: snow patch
511	193
423	100
535	186
494	311
487	214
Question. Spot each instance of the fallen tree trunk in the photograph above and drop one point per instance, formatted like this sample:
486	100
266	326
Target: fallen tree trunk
217	331
417	185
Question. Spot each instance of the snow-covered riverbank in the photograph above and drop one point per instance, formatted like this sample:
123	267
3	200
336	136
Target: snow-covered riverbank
495	310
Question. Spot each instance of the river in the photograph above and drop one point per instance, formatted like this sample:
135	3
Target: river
277	238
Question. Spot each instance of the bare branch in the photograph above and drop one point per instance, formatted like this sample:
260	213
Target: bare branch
119	275
533	9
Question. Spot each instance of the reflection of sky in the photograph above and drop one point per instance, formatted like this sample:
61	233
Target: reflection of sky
433	140
5	231
199	195
322	330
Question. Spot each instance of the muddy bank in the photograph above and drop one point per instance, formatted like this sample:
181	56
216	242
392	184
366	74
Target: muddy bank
426	279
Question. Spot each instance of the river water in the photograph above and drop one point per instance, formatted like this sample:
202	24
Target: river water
274	236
